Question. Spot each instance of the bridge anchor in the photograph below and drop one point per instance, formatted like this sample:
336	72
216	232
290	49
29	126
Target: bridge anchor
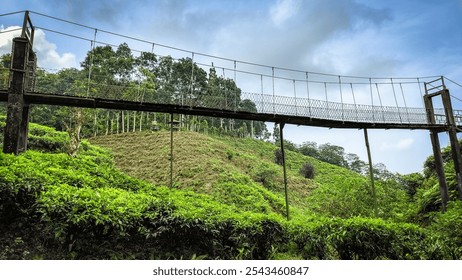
22	71
440	90
17	120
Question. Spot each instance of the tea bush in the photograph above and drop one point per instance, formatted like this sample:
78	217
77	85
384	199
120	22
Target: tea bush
366	239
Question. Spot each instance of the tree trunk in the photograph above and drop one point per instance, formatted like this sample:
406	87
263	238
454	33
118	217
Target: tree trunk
73	129
112	125
117	122
128	121
95	124
123	122
107	123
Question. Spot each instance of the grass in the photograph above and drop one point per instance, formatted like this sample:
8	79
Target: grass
224	167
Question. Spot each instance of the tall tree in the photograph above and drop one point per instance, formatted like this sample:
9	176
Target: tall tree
332	154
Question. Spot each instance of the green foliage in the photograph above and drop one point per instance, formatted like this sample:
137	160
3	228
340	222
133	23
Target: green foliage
449	224
54	206
46	139
332	154
412	182
96	212
362	238
265	174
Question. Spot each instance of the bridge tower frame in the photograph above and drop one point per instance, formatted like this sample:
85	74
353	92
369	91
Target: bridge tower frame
431	91
22	79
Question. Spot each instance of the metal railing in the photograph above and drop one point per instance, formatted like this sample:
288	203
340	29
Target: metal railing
264	103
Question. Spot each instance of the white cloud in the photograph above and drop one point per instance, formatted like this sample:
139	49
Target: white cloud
283	10
6	38
47	54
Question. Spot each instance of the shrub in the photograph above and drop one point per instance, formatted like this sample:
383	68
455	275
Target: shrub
366	239
278	157
266	175
307	170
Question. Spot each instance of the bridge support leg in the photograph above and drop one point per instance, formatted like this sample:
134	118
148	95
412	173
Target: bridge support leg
439	168
17	119
171	150
455	147
281	134
371	172
436	146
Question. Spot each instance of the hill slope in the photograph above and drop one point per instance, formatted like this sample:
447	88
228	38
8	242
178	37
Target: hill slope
243	172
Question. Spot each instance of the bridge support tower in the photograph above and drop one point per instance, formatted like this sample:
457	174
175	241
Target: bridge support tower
431	91
22	73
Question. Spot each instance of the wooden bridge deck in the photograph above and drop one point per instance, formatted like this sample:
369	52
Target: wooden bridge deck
277	117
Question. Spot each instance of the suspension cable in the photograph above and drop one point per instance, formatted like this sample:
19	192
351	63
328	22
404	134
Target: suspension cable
262	96
341	95
274	101
192	80
207	55
404	99
421	93
327	100
308	92
13	13
396	100
354	101
295	96
11	30
380	100
372	100
91	62
235	87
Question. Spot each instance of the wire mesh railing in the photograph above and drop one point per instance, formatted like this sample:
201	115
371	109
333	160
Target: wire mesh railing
259	103
4	78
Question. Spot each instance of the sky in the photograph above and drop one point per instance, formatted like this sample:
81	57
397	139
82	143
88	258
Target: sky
367	38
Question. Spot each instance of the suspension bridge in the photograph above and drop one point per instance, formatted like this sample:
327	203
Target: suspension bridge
280	95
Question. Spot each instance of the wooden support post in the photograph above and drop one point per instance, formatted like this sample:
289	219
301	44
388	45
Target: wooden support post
171	150
281	129
437	153
455	147
371	172
439	169
17	120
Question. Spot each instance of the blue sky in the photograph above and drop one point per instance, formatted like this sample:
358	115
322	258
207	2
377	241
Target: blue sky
377	38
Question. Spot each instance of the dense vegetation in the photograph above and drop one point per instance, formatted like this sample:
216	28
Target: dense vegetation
55	206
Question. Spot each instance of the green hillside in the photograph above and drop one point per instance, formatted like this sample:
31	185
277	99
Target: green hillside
243	172
227	203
